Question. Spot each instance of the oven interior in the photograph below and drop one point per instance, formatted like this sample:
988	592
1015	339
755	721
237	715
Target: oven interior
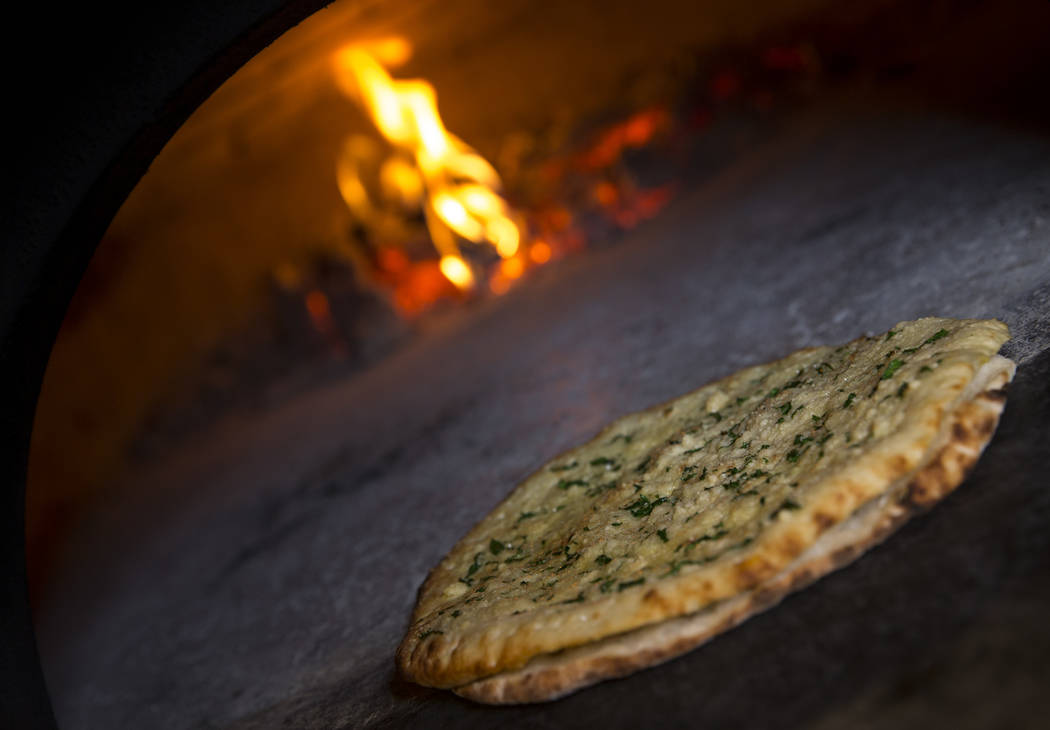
271	409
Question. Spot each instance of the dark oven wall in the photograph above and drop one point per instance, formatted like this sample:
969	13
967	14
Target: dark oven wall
97	91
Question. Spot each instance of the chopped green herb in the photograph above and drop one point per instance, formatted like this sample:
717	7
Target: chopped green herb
800	439
599	488
603	560
793	455
564	467
643	507
566	483
604	461
893	366
495	546
429	632
525	516
772	393
732	433
902	390
936	336
630	583
662	534
676	565
741	399
925	369
607	585
707	538
849	400
785	408
645	462
890	334
456	613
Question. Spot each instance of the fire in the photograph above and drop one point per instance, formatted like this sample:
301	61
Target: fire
430	168
457	271
540	252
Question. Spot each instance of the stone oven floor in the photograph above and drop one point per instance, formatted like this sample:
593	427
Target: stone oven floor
263	575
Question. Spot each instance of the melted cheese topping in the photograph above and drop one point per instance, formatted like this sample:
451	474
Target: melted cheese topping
662	492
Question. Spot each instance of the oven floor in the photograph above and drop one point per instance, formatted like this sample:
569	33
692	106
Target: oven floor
263	575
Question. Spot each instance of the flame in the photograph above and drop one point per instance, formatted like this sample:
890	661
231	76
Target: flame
456	270
432	168
401	181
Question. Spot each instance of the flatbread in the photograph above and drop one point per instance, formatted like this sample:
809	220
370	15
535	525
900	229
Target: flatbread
555	675
678	522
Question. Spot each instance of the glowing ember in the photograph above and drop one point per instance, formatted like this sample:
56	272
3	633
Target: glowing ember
430	168
499	284
540	252
512	268
320	311
636	131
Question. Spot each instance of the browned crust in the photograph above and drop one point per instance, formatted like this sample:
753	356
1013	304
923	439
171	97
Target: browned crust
972	427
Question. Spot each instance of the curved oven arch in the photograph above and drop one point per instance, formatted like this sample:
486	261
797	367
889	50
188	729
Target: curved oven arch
133	76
